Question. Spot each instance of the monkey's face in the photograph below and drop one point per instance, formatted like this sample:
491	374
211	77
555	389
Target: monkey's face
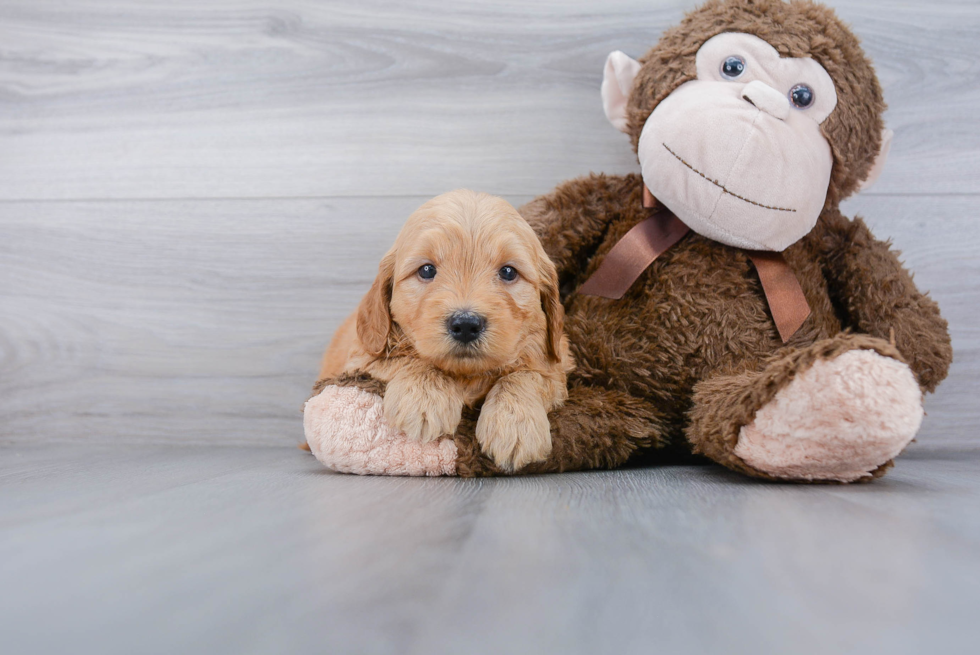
738	153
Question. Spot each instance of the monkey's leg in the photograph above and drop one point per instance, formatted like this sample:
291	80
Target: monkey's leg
346	429
839	410
596	428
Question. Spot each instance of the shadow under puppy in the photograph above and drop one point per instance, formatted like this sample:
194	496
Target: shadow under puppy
465	310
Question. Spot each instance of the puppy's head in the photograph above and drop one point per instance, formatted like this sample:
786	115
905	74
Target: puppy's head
470	286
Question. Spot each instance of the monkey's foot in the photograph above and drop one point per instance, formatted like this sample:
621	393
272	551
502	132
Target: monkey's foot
839	420
347	431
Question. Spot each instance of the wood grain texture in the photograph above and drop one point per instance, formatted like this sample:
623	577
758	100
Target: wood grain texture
259	550
122	99
203	321
193	321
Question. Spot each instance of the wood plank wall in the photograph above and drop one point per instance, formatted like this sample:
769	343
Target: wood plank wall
193	195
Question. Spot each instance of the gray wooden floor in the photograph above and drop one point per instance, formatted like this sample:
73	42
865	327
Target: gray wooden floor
193	195
164	549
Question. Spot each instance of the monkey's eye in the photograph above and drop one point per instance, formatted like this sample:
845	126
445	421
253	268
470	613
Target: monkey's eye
507	273
427	271
733	67
801	96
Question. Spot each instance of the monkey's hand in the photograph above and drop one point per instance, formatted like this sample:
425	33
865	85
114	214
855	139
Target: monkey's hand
880	299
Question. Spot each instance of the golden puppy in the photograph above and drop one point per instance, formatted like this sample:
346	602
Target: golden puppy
464	310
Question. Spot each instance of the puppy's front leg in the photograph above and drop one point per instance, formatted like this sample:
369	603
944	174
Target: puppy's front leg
423	402
513	426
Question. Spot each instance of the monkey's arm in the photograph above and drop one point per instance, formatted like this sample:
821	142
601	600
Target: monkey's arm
595	428
878	297
572	220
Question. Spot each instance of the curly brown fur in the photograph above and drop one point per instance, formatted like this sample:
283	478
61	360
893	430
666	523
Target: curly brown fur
878	297
693	337
597	429
699	312
359	379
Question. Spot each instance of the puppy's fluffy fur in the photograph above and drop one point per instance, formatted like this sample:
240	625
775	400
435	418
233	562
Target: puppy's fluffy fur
400	333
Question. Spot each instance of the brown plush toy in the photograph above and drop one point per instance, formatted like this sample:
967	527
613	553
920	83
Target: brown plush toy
719	304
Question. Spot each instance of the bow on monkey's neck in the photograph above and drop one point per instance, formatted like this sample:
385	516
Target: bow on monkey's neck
657	233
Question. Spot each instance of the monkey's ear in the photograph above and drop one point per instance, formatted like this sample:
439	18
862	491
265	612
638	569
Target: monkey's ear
876	168
617	81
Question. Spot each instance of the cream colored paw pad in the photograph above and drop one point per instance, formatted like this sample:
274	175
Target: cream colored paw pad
839	420
347	431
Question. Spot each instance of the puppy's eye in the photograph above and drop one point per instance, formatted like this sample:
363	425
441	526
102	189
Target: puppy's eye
427	271
508	273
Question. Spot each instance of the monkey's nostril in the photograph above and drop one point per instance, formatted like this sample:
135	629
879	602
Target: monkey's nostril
766	99
465	327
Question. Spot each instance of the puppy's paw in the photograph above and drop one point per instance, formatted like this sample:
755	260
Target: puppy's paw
514	431
424	409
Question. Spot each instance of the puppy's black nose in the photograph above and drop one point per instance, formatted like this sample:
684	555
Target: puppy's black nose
465	327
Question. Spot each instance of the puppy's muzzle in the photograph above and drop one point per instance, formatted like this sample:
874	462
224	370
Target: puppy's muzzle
465	327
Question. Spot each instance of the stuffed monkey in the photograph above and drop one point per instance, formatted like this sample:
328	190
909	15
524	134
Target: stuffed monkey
718	303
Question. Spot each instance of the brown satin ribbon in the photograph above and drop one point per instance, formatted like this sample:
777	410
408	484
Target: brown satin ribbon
787	303
632	254
653	236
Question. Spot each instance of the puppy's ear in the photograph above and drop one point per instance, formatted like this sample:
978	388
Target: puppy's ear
374	312
553	311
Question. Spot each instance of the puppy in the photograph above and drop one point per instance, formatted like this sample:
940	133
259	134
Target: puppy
465	310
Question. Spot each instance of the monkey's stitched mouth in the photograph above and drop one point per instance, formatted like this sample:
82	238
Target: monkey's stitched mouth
722	186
